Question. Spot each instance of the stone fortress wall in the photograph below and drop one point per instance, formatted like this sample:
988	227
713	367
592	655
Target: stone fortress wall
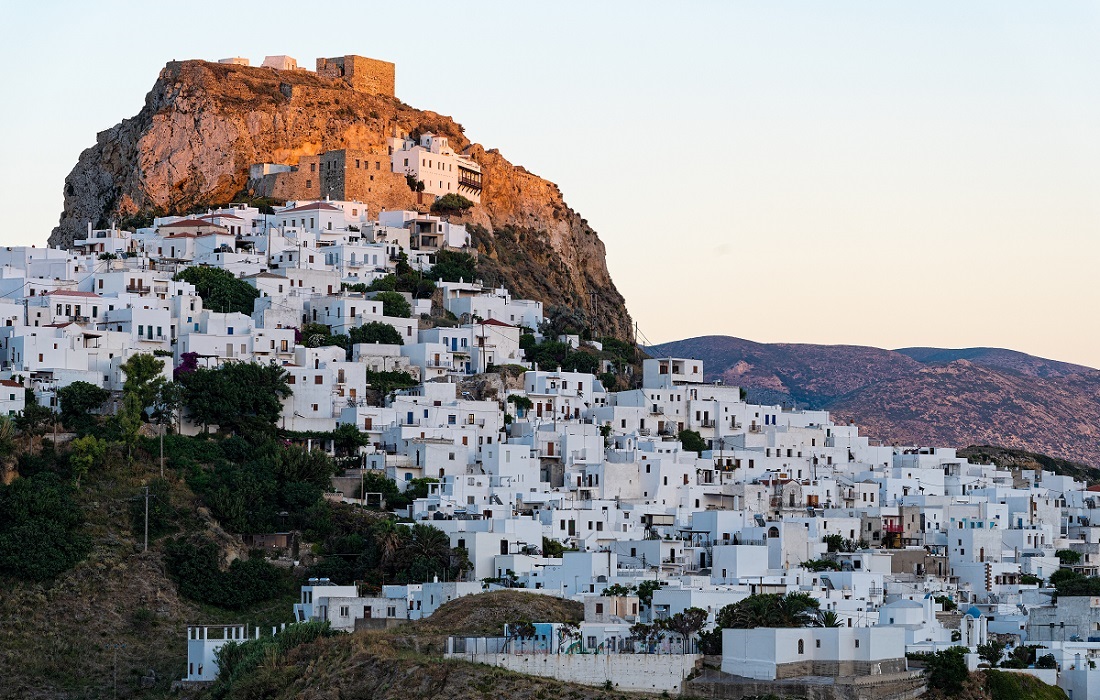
364	74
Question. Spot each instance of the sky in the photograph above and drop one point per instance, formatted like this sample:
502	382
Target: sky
866	173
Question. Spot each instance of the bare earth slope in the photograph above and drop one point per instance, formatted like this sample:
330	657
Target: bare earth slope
921	395
204	123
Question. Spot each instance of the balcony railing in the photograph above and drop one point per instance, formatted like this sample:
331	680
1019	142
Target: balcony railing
468	181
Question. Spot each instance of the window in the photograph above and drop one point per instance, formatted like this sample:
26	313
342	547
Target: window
801	646
318	379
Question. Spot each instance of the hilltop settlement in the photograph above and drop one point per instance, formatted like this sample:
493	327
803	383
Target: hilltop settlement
716	545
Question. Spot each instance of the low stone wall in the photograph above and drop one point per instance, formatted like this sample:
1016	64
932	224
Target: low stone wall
378	623
651	672
718	685
834	669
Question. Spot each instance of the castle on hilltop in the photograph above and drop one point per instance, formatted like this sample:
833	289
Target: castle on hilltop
364	74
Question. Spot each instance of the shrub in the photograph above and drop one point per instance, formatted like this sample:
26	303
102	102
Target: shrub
40	528
451	203
376	332
451	266
195	568
220	290
1068	557
394	304
946	670
78	400
692	441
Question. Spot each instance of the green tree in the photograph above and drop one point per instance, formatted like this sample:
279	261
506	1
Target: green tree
40	528
127	422
946	670
376	332
618	589
78	400
452	266
241	397
87	453
394	304
143	378
692	441
220	290
195	567
451	203
552	548
522	403
385	382
1046	661
35	418
1068	557
769	610
646	589
348	439
167	403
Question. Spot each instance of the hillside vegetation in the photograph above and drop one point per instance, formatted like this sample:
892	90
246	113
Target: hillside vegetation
87	610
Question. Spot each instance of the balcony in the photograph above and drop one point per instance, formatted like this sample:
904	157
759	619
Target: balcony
707	424
137	289
470	181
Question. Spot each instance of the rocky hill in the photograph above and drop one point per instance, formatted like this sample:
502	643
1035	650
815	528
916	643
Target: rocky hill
985	396
204	124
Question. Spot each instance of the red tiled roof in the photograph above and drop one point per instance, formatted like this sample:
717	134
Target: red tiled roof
494	322
323	206
8	382
220	216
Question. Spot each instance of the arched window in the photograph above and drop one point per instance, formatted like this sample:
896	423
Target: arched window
801	647
773	532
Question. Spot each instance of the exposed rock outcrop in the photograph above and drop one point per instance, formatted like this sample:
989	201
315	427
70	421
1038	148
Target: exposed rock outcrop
204	124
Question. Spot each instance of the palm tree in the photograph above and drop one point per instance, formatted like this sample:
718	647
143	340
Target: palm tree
431	544
389	539
827	618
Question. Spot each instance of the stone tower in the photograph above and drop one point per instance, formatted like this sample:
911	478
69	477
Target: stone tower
363	74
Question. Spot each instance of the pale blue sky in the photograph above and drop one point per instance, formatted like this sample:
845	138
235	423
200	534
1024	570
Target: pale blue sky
890	174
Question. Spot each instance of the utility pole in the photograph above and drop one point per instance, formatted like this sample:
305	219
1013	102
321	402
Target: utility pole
114	663
146	518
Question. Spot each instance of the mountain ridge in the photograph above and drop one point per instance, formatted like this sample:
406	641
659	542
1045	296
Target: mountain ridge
950	397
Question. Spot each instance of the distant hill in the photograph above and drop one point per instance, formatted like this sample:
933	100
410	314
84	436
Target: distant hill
988	396
997	358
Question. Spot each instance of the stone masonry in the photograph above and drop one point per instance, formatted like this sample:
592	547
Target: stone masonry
364	74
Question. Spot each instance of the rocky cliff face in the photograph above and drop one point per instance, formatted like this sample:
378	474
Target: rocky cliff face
204	124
